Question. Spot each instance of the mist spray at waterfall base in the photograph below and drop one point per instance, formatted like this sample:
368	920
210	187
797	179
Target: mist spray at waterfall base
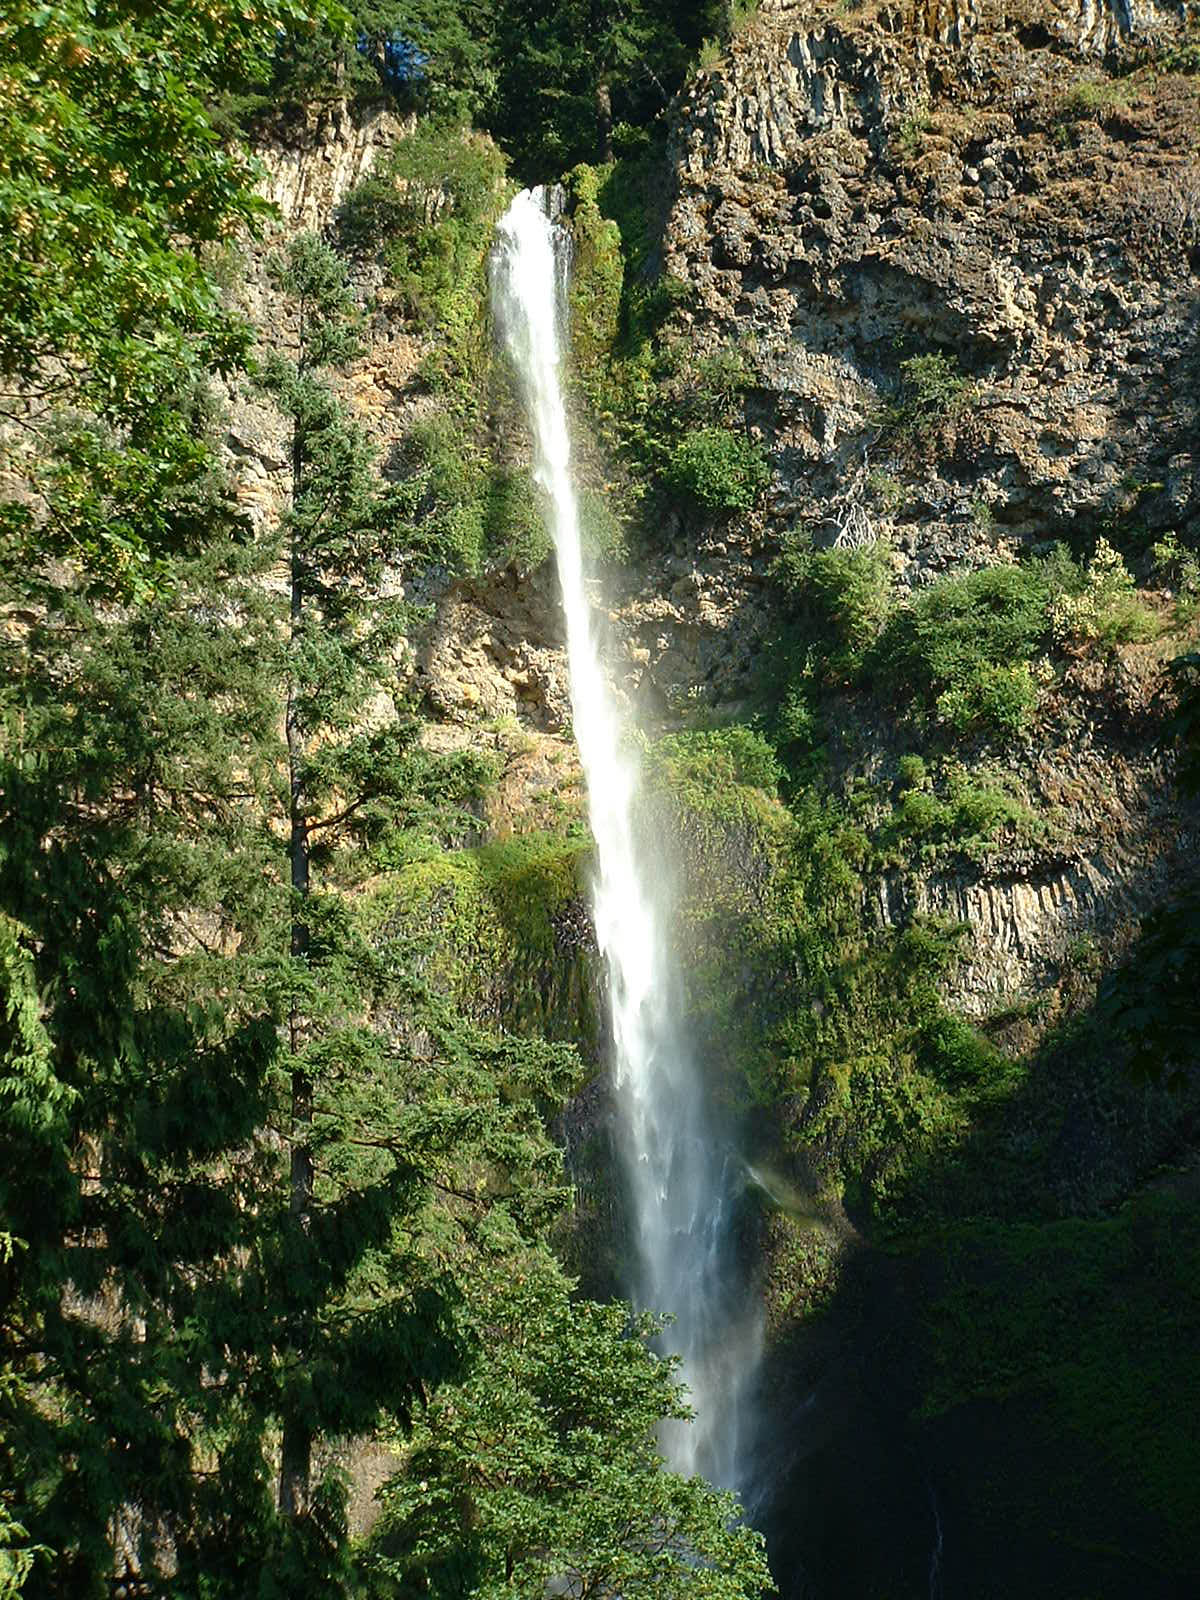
682	1180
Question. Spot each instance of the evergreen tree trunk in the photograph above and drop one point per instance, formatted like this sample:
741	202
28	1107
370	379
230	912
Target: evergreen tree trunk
604	121
295	1470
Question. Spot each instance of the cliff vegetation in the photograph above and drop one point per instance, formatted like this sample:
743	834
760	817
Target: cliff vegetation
884	382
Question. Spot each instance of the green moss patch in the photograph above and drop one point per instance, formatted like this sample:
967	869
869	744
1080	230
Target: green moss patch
503	930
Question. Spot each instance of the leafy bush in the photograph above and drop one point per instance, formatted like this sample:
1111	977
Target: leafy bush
470	514
430	206
450	521
710	55
597	274
1098	98
710	763
962	647
799	731
1106	609
886	492
912	771
842	597
956	810
932	382
913	128
992	694
719	470
716	383
958	1055
932	391
1175	563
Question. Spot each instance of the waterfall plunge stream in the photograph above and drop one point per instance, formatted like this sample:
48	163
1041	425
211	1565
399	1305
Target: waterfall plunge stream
682	1180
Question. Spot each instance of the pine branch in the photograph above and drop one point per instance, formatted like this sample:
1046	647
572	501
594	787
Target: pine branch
341	816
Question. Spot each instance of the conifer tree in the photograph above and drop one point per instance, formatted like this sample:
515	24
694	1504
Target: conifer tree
137	1070
569	72
357	780
539	1471
134	1058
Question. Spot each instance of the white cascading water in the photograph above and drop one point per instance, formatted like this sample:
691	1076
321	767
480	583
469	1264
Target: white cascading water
681	1179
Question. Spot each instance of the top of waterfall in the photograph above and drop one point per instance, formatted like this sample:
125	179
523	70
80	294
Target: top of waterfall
550	199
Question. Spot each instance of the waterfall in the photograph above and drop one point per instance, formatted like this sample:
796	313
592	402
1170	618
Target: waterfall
683	1182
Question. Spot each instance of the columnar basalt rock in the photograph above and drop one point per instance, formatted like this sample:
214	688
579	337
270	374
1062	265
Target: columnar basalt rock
854	187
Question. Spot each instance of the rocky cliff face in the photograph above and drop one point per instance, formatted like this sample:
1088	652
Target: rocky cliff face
994	183
858	184
854	185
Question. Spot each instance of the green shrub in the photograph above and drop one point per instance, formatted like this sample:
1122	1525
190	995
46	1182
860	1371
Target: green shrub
483	923
372	211
597	275
932	391
841	598
707	764
1106	609
798	729
953	810
513	526
912	130
1176	564
1096	98
713	386
468	513
450	513
961	648
992	695
932	382
710	55
958	1055
886	492
912	772
430	207
719	470
629	140
982	515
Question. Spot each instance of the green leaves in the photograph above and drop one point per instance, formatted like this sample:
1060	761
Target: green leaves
111	175
540	1468
718	470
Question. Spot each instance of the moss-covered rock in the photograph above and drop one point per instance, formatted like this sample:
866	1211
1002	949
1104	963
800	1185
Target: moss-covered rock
504	931
597	273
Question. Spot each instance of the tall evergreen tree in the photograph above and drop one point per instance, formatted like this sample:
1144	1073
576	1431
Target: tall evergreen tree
130	1080
357	779
128	1114
420	55
216	1159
